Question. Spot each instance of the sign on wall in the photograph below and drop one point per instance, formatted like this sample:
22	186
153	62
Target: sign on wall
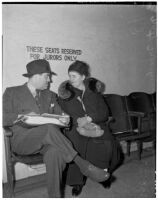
50	53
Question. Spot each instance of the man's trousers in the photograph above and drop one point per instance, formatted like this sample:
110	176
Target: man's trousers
56	149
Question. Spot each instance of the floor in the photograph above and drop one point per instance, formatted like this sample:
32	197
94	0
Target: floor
134	179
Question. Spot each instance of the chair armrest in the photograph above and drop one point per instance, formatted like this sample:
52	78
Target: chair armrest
139	115
7	132
110	120
151	113
136	114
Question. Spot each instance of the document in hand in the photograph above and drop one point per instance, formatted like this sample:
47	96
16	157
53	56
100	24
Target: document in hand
35	120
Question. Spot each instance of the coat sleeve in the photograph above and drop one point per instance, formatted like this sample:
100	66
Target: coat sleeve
9	113
97	109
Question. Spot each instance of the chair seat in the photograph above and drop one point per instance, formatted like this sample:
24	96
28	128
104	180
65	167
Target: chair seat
28	159
131	135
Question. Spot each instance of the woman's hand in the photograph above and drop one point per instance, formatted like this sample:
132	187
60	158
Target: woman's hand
82	121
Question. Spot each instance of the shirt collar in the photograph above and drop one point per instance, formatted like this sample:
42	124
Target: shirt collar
32	89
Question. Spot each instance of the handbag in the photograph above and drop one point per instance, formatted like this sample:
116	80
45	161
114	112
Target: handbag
90	130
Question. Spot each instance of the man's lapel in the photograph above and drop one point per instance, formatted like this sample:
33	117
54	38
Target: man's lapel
30	98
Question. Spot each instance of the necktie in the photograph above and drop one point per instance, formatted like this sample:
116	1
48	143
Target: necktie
37	98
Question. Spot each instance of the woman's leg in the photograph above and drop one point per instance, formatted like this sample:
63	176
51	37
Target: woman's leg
74	175
35	138
99	152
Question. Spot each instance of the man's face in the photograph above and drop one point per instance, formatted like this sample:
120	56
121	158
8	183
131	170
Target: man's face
42	81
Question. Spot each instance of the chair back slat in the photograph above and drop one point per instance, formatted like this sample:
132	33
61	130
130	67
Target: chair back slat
118	109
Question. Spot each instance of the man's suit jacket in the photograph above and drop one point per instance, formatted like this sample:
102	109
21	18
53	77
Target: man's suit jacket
19	100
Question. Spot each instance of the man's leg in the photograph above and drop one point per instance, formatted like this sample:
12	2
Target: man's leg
55	165
35	138
55	138
56	150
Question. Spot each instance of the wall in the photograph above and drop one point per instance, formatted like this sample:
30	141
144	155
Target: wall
118	41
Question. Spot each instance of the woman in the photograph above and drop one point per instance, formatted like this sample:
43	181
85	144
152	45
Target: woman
86	106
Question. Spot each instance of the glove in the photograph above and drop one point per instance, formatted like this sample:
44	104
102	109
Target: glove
90	130
82	121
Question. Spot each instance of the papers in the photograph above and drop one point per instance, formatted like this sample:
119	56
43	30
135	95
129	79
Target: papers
35	120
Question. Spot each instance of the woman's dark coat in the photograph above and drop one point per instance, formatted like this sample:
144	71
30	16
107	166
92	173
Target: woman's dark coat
101	151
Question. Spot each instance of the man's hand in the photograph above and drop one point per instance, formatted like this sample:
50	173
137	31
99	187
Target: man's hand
65	119
20	118
23	117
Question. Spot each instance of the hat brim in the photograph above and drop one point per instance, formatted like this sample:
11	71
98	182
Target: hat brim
29	75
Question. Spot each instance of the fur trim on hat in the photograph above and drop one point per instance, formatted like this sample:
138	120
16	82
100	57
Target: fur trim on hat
66	92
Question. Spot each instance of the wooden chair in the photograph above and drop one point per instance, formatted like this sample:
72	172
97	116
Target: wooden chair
12	159
126	124
153	100
146	103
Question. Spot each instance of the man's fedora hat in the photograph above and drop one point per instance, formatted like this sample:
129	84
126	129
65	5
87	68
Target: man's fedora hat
38	67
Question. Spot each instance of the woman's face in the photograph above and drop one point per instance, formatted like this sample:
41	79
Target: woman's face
76	79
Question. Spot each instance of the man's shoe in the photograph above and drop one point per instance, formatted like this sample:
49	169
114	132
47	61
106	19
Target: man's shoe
76	190
107	184
95	173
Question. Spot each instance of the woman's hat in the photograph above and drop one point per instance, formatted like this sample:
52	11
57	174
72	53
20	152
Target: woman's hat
38	67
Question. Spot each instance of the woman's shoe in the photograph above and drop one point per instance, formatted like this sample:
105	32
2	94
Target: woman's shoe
76	190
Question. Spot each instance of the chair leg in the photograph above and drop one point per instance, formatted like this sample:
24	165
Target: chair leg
128	148
11	179
154	145
139	146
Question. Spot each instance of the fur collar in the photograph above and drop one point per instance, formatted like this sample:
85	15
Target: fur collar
66	91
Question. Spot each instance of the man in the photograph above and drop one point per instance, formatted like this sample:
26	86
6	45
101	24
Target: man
34	97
